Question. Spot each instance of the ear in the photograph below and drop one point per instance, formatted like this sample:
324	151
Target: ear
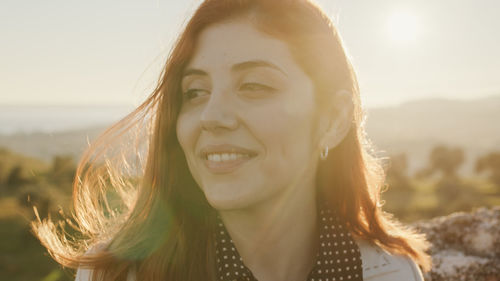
336	123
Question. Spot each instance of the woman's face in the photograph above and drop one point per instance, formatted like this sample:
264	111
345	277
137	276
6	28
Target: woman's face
246	123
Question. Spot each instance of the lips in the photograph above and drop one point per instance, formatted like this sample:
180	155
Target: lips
225	158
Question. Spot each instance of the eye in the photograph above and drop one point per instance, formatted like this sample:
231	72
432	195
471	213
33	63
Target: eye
194	93
256	87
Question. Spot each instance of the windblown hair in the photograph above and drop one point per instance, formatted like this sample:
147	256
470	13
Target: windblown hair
139	200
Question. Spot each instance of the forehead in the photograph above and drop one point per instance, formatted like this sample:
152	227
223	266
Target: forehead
232	42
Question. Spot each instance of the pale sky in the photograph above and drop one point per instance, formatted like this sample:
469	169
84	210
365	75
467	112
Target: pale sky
111	52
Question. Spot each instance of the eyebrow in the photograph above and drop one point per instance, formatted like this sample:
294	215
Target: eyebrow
256	63
237	67
193	71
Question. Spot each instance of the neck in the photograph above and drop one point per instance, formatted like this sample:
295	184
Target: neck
277	239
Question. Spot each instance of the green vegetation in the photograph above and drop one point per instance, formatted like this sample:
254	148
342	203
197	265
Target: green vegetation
25	182
437	189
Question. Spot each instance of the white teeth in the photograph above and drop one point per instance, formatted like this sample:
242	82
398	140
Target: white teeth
219	157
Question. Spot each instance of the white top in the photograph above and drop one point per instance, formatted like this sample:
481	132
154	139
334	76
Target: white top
378	265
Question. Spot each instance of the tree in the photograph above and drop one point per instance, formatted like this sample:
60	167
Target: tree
490	162
445	160
17	177
397	173
63	169
3	173
400	189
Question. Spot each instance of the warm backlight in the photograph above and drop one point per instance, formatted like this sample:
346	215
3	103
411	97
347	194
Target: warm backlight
403	27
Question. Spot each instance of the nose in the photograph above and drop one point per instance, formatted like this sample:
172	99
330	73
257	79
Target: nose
218	114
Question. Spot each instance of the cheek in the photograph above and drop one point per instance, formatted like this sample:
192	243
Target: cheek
187	134
285	130
186	129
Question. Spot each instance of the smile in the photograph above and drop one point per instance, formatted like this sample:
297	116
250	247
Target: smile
222	159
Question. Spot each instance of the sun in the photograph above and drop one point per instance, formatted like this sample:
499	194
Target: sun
403	27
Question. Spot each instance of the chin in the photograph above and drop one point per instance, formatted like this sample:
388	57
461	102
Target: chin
227	203
224	201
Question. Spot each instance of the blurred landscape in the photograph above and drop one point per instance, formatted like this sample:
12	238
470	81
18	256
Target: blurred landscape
440	155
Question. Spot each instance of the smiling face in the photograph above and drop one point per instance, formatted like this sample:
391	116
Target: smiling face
247	121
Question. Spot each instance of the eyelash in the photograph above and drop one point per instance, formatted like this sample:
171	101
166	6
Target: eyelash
256	87
253	85
189	93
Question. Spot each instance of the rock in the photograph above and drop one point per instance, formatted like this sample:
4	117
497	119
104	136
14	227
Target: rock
465	246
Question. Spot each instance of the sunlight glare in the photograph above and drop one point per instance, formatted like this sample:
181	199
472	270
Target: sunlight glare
402	27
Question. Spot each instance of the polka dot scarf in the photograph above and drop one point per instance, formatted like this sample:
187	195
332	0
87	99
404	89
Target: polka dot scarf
338	257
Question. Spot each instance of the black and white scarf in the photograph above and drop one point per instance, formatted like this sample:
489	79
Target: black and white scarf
338	257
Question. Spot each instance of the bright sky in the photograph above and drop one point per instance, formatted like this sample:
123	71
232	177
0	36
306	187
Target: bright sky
111	52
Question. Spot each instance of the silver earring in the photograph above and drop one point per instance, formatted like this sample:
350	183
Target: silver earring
324	153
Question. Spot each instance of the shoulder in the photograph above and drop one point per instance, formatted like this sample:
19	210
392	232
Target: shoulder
380	265
85	274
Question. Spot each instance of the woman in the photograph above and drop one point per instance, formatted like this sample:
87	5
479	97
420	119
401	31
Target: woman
257	165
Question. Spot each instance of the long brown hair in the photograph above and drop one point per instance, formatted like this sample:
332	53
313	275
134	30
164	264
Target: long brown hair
147	211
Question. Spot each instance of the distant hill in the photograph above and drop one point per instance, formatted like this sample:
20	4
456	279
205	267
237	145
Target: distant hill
44	131
413	127
46	145
15	119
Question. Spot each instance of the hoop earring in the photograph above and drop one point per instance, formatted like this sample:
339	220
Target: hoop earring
324	153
